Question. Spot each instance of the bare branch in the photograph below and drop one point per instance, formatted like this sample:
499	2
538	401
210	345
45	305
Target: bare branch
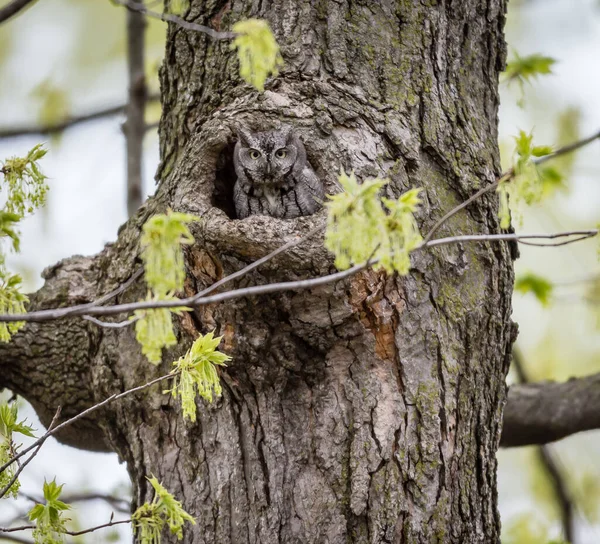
13	538
67	123
507	176
103	526
538	413
71	533
85	413
168	17
109	325
196	300
13	8
259	262
135	126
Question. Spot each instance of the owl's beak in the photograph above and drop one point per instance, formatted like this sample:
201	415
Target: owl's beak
268	168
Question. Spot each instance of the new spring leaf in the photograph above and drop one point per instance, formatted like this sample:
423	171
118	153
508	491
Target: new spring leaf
359	228
258	52
529	182
196	371
150	518
12	301
9	424
162	237
50	523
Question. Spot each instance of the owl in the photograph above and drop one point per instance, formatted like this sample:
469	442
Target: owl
273	175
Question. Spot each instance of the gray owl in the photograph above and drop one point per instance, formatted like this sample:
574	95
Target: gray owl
273	176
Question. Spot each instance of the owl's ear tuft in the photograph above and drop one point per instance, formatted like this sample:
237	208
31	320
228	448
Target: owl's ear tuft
244	136
288	133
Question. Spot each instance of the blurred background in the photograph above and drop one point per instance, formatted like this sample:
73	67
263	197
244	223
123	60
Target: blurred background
66	59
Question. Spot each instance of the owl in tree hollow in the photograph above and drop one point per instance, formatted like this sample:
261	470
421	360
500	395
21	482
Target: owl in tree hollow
273	175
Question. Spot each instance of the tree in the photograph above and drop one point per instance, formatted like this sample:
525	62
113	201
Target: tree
369	409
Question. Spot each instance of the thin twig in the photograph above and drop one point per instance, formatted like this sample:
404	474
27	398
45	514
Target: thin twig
108	325
92	529
578	234
16	529
54	128
119	504
256	264
168	17
70	533
504	177
13	8
40	443
17	539
553	244
193	301
507	176
85	413
135	125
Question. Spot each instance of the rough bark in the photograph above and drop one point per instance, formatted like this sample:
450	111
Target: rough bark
366	411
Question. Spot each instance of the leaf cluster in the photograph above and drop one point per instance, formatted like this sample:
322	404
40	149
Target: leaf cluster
162	237
523	70
529	182
50	523
150	518
24	189
258	51
196	371
10	424
161	241
362	227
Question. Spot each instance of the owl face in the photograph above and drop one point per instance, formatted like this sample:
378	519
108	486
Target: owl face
266	157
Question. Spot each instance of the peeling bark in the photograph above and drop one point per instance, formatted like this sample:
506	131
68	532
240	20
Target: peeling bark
365	411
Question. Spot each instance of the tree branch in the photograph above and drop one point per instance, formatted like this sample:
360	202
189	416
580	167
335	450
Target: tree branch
54	128
170	18
198	300
135	126
538	413
53	430
70	533
13	8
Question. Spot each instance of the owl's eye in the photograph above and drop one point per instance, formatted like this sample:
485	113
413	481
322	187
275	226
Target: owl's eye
254	154
280	153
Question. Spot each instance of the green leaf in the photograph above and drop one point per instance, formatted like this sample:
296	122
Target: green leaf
154	330
196	372
12	301
150	518
24	184
527	68
541	150
359	228
529	182
50	524
177	7
162	237
53	103
540	287
258	52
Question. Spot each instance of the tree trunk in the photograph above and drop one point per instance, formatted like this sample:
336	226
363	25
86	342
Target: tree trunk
365	411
